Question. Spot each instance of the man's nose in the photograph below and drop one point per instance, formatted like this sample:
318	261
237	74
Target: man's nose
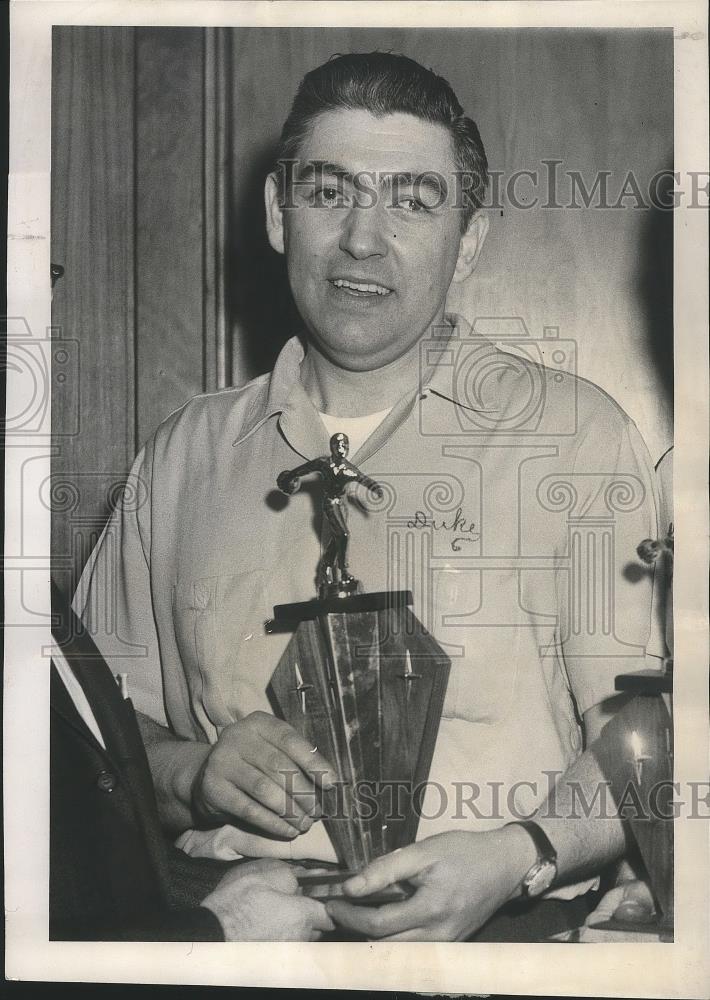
364	232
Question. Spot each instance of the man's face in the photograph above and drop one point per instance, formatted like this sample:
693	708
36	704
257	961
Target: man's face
370	257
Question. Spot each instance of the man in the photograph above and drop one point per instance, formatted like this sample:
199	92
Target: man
112	875
376	205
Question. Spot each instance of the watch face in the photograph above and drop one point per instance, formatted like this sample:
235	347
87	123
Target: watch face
542	878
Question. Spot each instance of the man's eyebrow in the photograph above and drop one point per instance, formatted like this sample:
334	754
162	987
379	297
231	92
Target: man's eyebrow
386	179
429	179
310	169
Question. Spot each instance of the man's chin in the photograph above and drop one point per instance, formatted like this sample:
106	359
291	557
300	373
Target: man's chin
358	350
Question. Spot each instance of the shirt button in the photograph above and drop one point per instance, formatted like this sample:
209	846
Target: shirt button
106	781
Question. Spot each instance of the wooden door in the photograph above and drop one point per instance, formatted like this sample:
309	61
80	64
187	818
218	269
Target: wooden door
139	150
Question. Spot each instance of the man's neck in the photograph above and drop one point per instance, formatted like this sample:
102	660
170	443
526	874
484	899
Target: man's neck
343	393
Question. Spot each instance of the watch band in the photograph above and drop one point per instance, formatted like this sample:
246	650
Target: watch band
545	850
543	872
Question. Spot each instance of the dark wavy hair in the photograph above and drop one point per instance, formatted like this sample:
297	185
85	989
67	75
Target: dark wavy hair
384	83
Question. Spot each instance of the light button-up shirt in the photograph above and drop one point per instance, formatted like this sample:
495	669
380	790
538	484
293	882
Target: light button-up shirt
514	499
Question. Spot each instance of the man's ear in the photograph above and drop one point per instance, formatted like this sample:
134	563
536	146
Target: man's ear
274	214
471	244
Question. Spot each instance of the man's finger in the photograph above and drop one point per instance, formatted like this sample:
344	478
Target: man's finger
302	916
263	789
415	934
284	772
234	802
401	864
300	869
318	916
308	758
376	921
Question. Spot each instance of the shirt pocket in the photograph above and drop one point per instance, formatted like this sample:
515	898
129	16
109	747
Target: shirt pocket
219	625
484	641
194	616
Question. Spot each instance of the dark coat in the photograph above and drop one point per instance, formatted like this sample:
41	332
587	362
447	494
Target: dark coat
113	875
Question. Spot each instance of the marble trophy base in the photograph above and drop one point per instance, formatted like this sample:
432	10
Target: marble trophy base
363	681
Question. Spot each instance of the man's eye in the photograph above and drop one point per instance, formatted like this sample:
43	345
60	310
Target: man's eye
328	197
411	204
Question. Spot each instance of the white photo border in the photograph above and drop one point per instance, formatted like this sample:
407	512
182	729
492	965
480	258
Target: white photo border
680	969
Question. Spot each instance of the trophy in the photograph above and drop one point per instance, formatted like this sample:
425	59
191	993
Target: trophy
364	682
635	754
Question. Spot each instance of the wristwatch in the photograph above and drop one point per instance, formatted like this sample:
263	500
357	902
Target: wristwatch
543	873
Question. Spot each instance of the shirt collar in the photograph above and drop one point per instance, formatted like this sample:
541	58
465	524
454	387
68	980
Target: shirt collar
286	396
441	357
282	383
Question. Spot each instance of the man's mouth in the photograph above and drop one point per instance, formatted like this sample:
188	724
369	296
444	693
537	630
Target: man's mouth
360	287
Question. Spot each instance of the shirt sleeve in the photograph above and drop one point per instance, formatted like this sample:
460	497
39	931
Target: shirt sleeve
606	590
113	598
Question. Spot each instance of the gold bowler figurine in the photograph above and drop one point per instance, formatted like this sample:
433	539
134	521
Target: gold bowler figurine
337	474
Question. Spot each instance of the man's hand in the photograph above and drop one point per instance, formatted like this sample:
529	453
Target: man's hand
462	879
261	901
263	772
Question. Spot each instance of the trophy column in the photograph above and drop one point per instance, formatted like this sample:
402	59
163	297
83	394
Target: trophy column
364	682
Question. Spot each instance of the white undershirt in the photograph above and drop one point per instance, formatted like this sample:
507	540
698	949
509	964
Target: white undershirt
358	429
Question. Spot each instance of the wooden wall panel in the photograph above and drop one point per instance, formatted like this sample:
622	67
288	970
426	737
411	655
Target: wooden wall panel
218	128
170	231
92	238
597	101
